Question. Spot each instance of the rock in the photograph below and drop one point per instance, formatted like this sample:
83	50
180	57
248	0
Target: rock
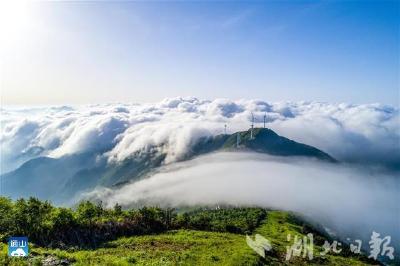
54	261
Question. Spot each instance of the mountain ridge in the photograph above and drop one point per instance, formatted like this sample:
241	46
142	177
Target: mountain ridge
61	179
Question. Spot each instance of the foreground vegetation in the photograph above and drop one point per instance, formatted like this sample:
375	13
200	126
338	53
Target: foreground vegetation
92	235
89	224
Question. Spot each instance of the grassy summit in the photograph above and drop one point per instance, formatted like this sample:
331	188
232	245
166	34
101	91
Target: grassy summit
264	141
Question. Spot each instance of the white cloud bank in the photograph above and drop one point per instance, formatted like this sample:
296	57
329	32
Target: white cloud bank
351	201
364	133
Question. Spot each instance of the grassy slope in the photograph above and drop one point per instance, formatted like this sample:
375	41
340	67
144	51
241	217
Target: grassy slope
188	247
183	247
276	228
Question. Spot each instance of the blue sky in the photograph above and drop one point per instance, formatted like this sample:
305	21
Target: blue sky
73	53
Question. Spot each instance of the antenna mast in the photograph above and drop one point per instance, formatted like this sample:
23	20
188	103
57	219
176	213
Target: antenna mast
225	128
252	125
265	118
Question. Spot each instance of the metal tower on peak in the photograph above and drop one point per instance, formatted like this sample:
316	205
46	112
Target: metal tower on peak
252	125
225	129
265	118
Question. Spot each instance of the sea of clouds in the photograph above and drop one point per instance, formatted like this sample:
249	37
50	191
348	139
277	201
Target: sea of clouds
367	133
354	197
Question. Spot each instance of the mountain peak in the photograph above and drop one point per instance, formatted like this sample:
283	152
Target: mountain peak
263	140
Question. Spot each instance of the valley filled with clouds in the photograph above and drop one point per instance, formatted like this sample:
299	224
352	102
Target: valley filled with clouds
350	201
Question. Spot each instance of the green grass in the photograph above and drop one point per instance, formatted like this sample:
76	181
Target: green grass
190	247
182	247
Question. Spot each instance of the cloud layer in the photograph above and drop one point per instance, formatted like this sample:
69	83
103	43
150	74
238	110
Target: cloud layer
350	201
362	133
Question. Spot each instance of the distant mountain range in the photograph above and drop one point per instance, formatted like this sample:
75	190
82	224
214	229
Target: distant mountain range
61	179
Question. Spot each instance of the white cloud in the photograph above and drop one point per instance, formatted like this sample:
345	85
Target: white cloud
367	133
